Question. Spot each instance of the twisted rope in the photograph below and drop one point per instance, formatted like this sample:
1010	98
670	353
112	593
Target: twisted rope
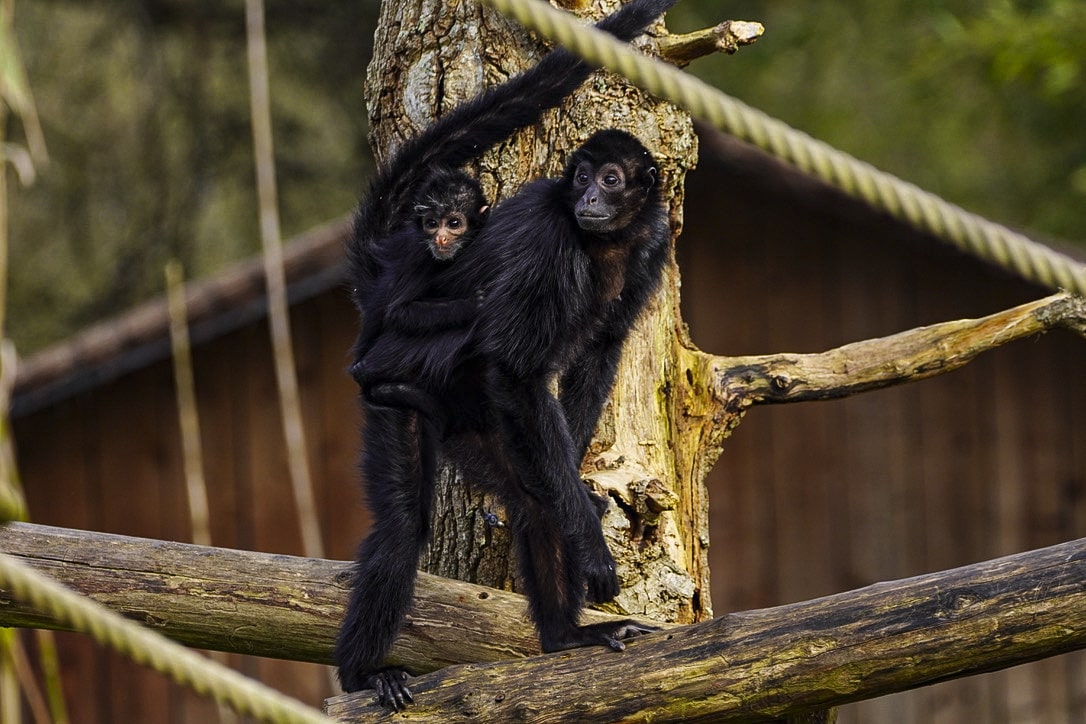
147	648
907	202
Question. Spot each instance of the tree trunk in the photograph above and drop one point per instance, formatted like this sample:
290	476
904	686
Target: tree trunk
428	57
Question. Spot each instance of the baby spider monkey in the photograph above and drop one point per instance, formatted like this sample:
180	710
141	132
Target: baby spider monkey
395	369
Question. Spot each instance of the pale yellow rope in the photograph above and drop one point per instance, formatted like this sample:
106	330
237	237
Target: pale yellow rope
924	210
206	677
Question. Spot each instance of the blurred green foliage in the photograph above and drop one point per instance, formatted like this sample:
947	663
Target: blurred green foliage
145	109
980	101
145	106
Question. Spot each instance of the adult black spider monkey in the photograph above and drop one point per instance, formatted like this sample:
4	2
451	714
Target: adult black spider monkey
567	266
399	447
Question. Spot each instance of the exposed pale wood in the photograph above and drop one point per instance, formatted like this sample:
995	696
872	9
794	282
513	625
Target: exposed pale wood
726	37
785	661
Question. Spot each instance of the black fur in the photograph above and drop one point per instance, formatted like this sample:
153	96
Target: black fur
466	132
554	519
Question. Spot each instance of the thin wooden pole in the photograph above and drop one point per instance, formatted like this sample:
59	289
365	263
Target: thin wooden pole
278	312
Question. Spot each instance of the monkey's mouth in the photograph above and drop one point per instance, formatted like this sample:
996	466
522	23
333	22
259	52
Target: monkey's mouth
593	222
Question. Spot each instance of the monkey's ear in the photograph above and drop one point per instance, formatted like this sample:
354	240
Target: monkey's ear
648	179
484	211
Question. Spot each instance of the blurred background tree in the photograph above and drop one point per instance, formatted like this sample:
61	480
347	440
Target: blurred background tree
145	106
979	101
145	109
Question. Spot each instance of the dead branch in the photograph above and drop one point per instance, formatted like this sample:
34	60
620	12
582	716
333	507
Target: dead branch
876	363
727	38
785	661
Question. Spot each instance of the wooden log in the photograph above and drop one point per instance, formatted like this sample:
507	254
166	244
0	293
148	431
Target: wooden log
259	603
782	662
753	666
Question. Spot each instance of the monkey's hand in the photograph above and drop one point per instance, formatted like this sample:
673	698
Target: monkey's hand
480	297
599	503
391	687
601	579
611	634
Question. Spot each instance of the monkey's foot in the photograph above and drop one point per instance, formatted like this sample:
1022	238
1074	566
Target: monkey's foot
390	685
608	633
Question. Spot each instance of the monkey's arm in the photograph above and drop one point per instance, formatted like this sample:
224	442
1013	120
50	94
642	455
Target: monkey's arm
585	386
586	383
405	395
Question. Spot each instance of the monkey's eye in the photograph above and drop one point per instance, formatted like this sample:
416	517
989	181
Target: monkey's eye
582	178
454	223
429	223
610	180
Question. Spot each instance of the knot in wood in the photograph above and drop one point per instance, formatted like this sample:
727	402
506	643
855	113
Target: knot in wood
781	383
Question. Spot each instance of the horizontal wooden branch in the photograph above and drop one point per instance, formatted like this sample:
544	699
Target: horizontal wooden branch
724	38
876	363
785	661
258	603
769	663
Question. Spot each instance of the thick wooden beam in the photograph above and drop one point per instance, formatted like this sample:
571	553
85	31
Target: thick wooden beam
259	603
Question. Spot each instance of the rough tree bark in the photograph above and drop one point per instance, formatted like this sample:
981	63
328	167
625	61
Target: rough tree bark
428	57
785	663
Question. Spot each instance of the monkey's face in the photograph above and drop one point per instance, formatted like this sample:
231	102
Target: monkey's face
605	198
446	233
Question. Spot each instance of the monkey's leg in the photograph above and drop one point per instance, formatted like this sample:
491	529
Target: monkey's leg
553	583
537	440
398	465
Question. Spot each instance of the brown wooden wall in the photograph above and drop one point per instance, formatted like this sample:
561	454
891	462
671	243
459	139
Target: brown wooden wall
109	460
807	500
